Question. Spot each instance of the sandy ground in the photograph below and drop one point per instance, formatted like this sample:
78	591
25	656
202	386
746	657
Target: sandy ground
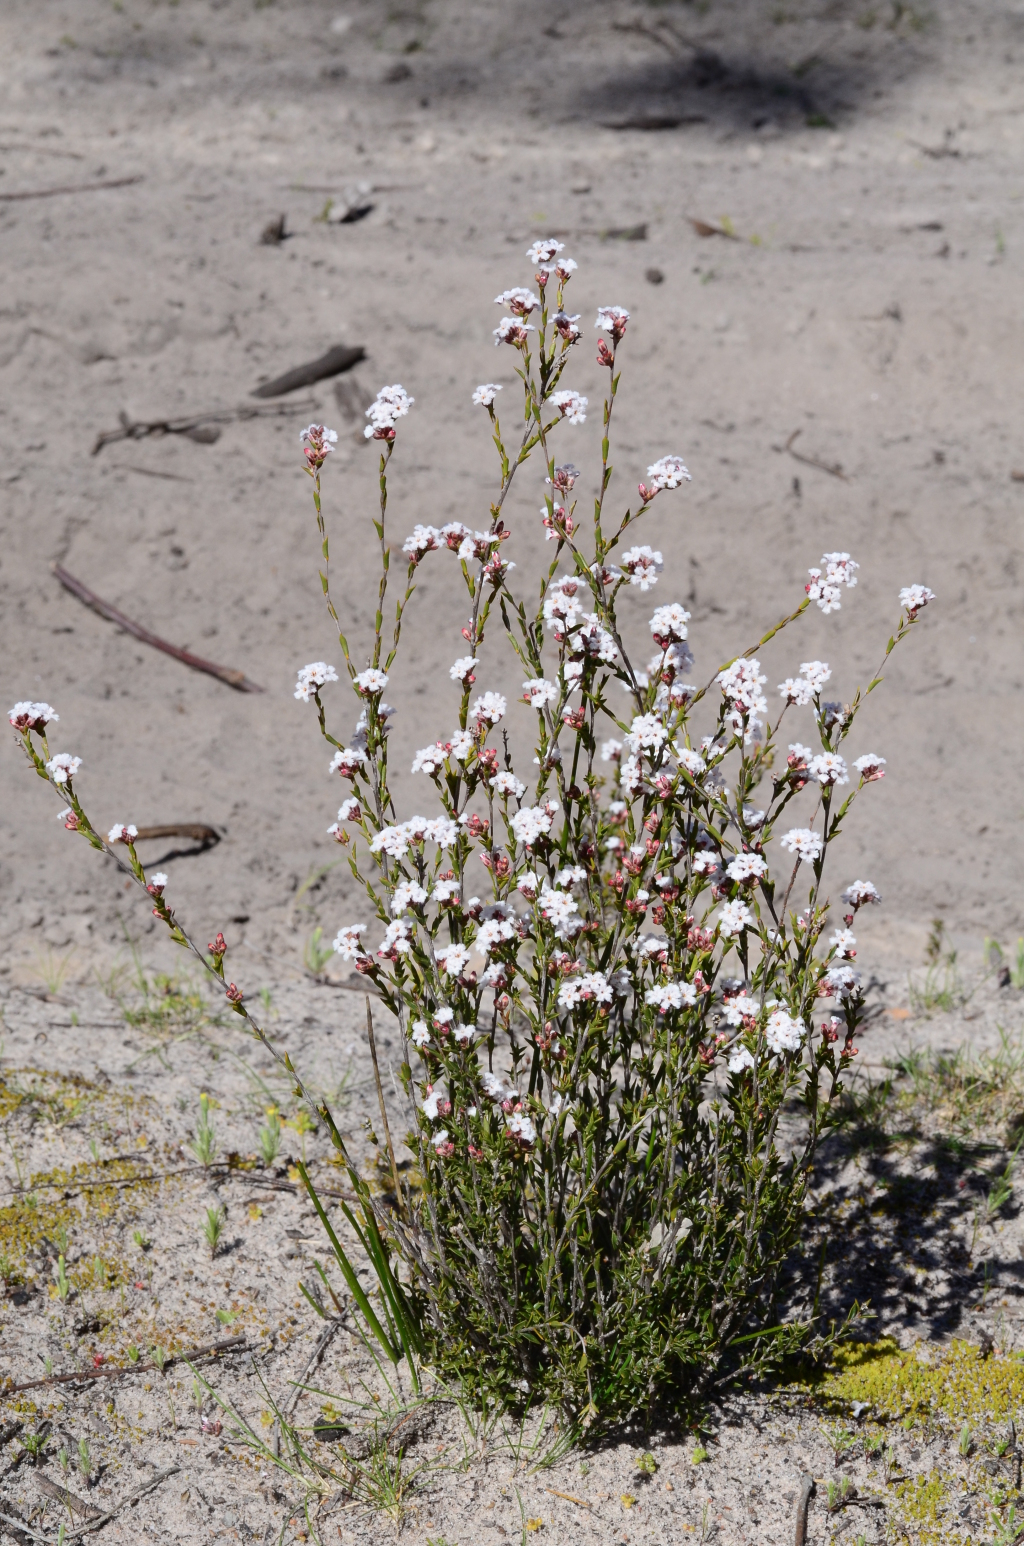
867	155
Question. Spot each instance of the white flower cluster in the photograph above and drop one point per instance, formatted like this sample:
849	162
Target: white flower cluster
825	587
391	403
741	685
32	716
396	841
312	677
805	688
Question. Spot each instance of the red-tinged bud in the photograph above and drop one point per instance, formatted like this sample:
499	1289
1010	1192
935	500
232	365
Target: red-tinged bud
467	635
502	865
604	354
646	494
652	845
574	718
663	785
232	994
218	947
658	914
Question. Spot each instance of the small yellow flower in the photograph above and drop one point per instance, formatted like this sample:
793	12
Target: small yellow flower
627	1500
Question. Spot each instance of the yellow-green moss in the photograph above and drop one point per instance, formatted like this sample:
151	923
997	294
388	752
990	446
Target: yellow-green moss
924	1504
954	1383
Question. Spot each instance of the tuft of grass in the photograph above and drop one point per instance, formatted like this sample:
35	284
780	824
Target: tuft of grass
204	1145
84	1459
214	1228
61	1281
270	1136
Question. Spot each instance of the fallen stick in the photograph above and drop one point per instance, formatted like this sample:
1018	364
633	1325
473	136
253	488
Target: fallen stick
569	1497
52	1489
834	469
193	829
231	678
230	1345
133	1497
702	228
19	1527
806	1488
139	429
49	193
333	363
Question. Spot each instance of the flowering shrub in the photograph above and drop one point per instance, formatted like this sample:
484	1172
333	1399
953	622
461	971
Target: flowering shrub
618	1057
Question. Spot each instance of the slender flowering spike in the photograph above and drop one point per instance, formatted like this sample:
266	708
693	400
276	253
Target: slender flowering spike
613	320
828	768
392	402
317	444
914	597
538	692
807	845
424	539
870	767
643	565
370	682
462	671
120	833
312	677
570	405
63	768
32	716
520	302
485	394
510	330
861	894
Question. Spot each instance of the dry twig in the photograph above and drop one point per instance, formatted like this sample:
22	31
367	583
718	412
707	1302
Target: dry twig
226	674
49	193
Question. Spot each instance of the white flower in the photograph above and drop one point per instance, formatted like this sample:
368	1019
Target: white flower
844	944
463	1034
463	745
783	1033
667	472
646	733
807	845
348	761
431	1108
122	834
741	685
420	1033
453	959
592	986
828	768
557	906
346	942
692	761
914	597
613	319
158	881
530	823
521	1128
870	767
825	588
491	706
668	624
350	810
446	891
396	938
529	885
462	668
643	565
494	932
440	1139
672	995
442	831
797	691
32	716
484	394
734	918
570	405
63	768
407	894
740	1059
611	751
429	759
394	841
424	539
538	691
544	251
506	784
518	300
860	894
496	1089
746	867
573	875
510	330
738	1009
843	981
370	681
312	676
706	863
817	672
392	402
